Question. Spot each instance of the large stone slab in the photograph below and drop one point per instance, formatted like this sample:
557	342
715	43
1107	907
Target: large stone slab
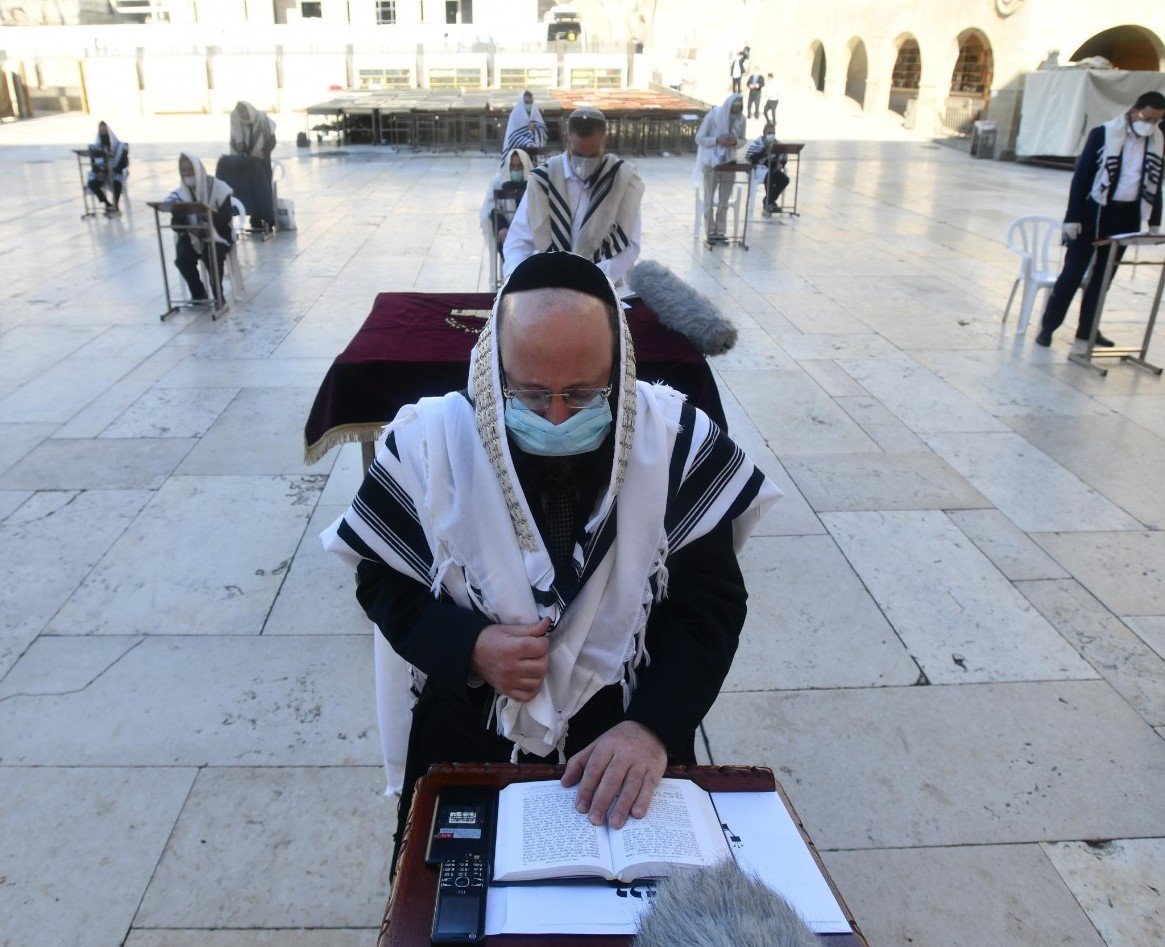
881	482
960	619
1133	668
79	846
1034	491
1118	883
1005	544
172	412
795	637
1118	457
198	701
238	938
16	440
206	556
1126	571
276	847
1151	630
318	596
795	415
258	433
902	767
84	464
919	398
937	896
47	547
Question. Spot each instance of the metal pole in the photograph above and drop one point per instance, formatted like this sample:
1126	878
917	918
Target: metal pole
162	256
86	197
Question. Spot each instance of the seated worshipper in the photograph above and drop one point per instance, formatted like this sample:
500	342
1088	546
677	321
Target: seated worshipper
582	200
526	128
553	551
252	133
760	155
108	167
200	188
717	139
494	218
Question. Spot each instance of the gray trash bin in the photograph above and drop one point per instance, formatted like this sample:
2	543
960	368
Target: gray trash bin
983	139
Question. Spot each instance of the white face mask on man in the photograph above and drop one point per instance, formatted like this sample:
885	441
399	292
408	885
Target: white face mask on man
1142	129
584	167
189	180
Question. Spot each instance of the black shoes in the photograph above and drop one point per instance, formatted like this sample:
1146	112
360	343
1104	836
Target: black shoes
1101	341
1044	338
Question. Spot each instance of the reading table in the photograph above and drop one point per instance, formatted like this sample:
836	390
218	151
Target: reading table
414	345
408	916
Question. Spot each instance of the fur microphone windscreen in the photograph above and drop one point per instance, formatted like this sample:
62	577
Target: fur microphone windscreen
720	906
682	308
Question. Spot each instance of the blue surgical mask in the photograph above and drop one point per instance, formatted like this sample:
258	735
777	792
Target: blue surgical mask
517	176
583	431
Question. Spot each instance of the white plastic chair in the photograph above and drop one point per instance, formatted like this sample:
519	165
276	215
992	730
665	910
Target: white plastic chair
735	200
1031	237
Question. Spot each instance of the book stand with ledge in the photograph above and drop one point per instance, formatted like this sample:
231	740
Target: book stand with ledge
409	913
1134	355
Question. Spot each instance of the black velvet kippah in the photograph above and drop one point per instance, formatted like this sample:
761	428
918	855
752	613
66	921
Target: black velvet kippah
559	270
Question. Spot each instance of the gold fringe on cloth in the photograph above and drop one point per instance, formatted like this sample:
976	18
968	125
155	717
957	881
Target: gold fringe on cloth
341	434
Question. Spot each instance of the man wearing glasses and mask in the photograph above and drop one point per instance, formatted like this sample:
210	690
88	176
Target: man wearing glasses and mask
553	551
584	201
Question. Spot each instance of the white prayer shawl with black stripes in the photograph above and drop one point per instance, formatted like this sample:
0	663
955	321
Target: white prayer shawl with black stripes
1116	132
432	508
519	133
107	157
615	193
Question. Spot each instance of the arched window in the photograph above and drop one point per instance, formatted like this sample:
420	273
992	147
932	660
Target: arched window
974	69
817	67
855	76
1126	47
905	78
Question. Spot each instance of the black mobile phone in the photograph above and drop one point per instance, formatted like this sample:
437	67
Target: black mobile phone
463	822
459	915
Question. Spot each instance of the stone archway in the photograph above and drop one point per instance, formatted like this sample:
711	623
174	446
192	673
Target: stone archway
906	75
1131	47
856	73
817	65
971	80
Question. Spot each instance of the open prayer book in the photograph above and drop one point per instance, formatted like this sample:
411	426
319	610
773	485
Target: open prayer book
541	835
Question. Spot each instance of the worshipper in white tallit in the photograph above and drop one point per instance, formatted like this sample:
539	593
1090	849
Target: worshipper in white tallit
526	128
108	167
585	201
553	551
252	132
497	212
717	139
198	187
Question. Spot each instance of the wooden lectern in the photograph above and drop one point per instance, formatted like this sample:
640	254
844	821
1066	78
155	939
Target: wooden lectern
408	917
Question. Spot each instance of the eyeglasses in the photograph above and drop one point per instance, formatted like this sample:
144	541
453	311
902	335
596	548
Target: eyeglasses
538	399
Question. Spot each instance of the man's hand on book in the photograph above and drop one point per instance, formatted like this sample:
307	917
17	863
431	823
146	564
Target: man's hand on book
512	658
623	767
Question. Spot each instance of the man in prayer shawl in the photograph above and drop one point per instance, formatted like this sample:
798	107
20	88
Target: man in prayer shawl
1115	187
252	133
584	201
717	139
526	128
553	551
496	212
109	167
198	187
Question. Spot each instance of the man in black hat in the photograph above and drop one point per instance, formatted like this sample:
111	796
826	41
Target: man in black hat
584	200
553	551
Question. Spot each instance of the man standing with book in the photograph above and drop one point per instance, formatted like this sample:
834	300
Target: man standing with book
553	550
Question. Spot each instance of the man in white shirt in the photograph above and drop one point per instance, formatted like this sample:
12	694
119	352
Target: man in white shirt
1115	188
583	201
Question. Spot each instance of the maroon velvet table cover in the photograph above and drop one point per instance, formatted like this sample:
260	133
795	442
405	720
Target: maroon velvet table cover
407	350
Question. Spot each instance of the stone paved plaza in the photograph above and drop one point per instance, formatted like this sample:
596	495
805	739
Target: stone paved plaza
954	658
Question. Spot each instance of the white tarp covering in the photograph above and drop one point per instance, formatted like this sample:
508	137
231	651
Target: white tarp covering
1060	106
